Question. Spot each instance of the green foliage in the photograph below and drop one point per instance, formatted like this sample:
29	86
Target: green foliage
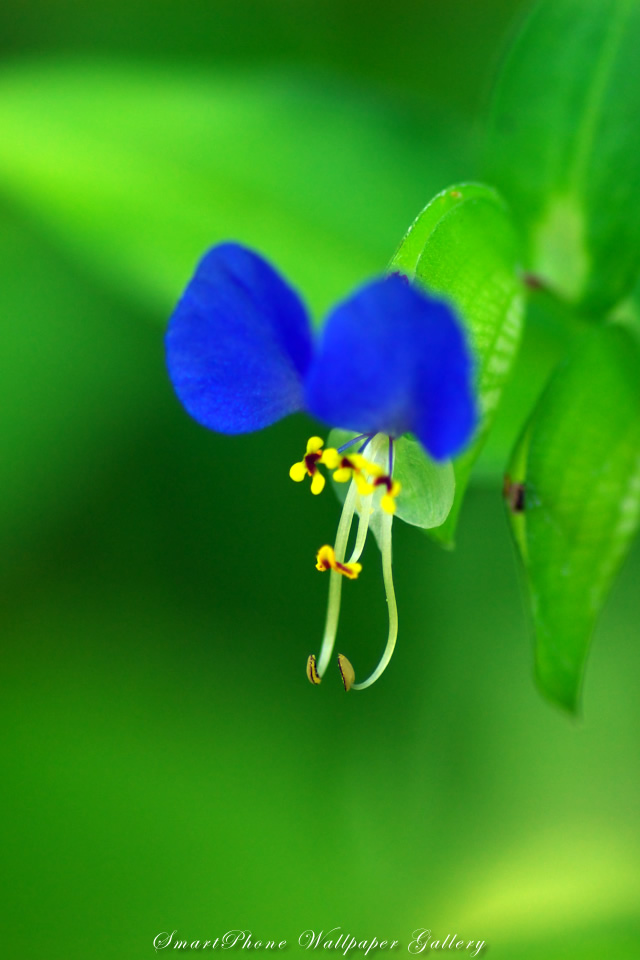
463	246
136	171
165	762
545	340
73	366
564	145
579	504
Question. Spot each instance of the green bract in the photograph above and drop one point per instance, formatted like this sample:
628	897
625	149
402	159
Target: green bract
464	247
428	488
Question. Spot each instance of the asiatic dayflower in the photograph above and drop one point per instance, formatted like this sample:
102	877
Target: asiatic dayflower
389	360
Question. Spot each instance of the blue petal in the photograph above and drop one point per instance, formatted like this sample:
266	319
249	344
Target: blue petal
238	343
393	360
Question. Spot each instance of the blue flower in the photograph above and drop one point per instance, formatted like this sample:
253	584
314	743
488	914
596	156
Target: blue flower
389	360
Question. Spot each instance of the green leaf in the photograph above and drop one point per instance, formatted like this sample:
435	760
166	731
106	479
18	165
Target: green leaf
564	144
464	247
548	335
137	170
428	488
579	464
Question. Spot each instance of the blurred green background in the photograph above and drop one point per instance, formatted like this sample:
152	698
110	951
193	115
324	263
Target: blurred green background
165	763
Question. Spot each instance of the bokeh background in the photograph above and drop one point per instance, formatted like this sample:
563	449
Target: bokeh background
165	764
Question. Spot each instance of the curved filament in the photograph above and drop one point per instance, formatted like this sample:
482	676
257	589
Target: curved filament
385	549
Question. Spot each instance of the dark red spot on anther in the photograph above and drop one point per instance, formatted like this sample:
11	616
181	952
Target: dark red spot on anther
383	481
311	462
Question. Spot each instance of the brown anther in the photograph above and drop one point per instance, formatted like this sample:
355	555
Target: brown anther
347	672
312	671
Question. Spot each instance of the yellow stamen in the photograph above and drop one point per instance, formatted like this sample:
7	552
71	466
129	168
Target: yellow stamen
354	466
388	502
326	560
342	475
312	671
363	485
317	483
330	458
347	672
298	471
314	444
366	476
367	466
308	466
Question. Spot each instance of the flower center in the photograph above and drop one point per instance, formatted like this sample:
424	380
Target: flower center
367	474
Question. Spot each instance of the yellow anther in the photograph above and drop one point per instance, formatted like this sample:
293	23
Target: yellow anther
366	466
347	672
330	458
355	466
325	557
363	485
388	502
314	444
317	483
342	475
298	471
312	671
326	560
308	466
